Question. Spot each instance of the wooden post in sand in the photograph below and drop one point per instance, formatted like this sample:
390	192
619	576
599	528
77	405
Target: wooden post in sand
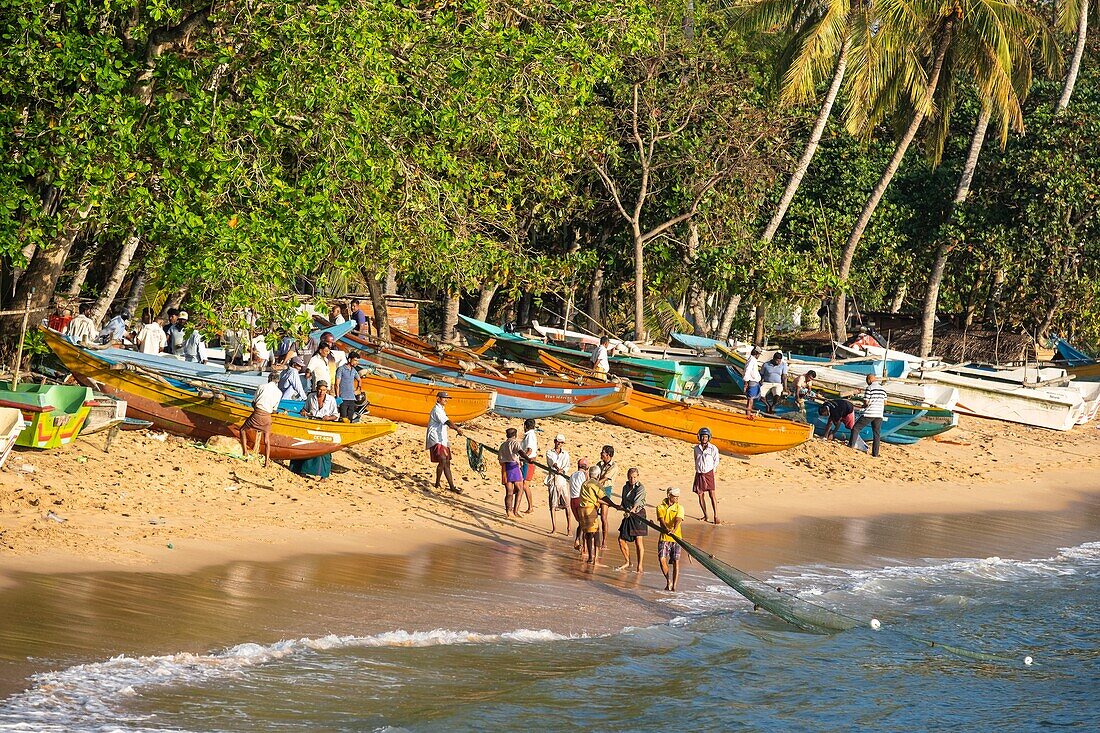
22	338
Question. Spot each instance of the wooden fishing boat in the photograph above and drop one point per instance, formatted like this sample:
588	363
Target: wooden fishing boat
731	433
203	415
53	414
104	413
11	425
518	391
1083	367
663	376
402	400
890	431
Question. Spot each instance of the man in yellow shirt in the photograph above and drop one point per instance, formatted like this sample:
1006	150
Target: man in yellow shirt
670	515
589	513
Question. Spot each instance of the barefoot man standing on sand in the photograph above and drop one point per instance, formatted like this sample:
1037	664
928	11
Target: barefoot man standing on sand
670	514
438	442
264	404
633	527
706	461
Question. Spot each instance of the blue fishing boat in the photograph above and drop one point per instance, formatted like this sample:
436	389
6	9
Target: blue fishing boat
892	423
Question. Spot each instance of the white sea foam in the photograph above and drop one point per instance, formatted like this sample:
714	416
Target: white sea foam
88	695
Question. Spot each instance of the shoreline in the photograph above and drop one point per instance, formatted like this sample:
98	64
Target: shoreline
190	508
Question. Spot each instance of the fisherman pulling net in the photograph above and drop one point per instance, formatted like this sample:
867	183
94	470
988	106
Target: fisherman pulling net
798	612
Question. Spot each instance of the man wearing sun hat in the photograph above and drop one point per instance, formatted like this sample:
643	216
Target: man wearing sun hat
670	515
557	482
438	442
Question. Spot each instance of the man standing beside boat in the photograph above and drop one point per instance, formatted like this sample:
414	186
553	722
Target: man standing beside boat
874	400
600	362
264	404
706	463
557	482
752	381
438	443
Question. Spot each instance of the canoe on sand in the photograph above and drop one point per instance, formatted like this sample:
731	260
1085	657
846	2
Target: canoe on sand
731	433
201	415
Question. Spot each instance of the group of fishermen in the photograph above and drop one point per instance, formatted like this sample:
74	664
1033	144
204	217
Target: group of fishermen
586	493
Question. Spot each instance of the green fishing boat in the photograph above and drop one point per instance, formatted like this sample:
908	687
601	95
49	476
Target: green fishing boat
668	377
53	413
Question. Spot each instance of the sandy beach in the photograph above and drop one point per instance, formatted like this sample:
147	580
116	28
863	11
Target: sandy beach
161	503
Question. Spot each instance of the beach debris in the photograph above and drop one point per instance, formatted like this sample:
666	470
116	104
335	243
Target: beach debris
82	459
54	517
161	437
156	521
224	445
170	546
28	468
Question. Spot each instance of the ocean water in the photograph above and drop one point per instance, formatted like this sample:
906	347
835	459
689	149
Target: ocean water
710	662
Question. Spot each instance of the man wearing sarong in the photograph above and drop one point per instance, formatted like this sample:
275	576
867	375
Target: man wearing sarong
438	443
530	444
510	455
557	482
264	404
752	381
591	499
320	405
609	473
576	481
706	462
633	527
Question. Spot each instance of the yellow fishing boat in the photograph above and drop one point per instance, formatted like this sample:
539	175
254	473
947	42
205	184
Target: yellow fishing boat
732	433
201	415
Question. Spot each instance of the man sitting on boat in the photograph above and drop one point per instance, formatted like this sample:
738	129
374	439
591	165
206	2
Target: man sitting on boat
773	378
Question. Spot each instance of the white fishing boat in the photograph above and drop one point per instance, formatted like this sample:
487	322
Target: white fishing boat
104	413
11	425
878	352
898	390
1038	405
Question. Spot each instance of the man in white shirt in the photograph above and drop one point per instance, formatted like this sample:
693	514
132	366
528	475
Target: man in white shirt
81	330
752	381
261	355
530	446
874	400
557	482
115	330
322	365
576	481
706	462
437	441
151	339
600	362
264	404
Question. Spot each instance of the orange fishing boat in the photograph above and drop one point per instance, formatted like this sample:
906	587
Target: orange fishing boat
731	433
202	415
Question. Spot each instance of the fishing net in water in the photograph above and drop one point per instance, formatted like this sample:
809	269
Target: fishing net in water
810	616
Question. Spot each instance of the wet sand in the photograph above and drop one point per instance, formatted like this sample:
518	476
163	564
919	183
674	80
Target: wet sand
51	621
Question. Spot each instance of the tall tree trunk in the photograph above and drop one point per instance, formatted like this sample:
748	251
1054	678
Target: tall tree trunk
899	297
1048	316
40	277
840	320
726	324
137	289
379	307
696	297
391	280
639	286
173	301
450	318
759	316
594	301
118	274
1075	62
484	300
996	287
689	20
523	311
811	146
81	274
939	264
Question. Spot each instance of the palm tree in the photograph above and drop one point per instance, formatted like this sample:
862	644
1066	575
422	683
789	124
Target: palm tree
1036	41
931	46
819	41
1073	17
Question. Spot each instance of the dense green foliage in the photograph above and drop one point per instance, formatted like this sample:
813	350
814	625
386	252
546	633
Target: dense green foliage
259	146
